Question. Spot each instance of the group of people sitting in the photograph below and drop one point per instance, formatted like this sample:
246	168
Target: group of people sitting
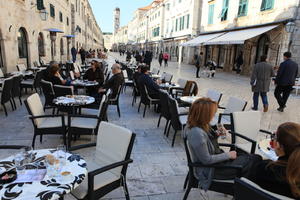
95	73
281	176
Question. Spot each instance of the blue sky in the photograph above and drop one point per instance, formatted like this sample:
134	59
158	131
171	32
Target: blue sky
103	11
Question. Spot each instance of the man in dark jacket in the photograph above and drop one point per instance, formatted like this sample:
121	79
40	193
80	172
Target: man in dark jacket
146	80
82	53
148	58
74	53
285	80
114	82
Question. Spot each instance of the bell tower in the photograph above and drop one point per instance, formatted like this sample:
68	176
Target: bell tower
116	20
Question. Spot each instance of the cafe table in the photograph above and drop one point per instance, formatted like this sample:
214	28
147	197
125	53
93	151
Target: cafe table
266	151
84	83
36	183
71	102
156	76
189	99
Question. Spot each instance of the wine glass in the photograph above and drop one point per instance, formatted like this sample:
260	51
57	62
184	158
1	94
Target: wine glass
19	158
221	131
61	154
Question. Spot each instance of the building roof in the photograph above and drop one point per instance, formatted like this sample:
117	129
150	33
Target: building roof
151	5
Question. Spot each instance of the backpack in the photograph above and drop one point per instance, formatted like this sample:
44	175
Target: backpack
166	56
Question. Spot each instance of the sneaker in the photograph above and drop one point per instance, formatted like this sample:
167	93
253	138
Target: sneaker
253	108
280	109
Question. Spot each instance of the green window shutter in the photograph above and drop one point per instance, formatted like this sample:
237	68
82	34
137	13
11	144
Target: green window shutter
269	4
40	4
224	10
211	13
243	8
176	25
183	18
263	5
188	21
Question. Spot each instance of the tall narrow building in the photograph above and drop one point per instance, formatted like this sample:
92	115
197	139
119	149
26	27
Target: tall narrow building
116	20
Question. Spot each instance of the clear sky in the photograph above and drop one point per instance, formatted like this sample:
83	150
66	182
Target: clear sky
103	11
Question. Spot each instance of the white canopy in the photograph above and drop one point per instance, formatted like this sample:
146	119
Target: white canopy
239	37
201	39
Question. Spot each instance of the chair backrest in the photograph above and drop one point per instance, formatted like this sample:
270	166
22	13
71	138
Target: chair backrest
129	74
61	90
72	76
167	76
77	68
214	95
16	88
234	105
125	74
155	71
173	108
246	189
6	90
246	123
101	105
38	78
164	104
21	67
107	76
1	73
35	107
181	82
47	87
115	144
35	64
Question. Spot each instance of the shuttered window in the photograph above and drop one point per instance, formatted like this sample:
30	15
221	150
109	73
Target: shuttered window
211	9
243	8
267	5
224	12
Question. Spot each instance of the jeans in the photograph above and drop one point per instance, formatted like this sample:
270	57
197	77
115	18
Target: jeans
282	94
264	99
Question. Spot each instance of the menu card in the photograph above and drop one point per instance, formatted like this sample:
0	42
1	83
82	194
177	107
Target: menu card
31	175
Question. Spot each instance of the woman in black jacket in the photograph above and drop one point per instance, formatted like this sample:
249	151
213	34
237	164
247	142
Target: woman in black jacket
282	176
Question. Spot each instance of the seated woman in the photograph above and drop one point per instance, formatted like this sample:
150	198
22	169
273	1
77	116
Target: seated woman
282	176
204	148
95	73
54	76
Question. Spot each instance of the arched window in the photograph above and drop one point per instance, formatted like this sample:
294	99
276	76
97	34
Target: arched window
262	47
22	43
61	46
41	45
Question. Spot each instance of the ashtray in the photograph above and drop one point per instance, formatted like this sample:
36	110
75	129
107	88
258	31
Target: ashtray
8	177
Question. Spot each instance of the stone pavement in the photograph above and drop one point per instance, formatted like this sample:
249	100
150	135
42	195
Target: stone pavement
158	170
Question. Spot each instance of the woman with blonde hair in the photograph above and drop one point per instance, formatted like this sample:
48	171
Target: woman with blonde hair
204	148
282	176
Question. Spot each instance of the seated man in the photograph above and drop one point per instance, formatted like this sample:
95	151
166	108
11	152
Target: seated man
114	82
145	79
137	74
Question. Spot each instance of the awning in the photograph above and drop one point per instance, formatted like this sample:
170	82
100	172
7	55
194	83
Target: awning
239	37
54	30
201	39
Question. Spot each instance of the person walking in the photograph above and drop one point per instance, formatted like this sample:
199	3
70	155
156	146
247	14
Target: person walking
239	62
160	58
74	53
166	58
285	80
198	59
260	81
148	58
82	53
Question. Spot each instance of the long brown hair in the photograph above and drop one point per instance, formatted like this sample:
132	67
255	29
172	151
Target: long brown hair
201	113
288	136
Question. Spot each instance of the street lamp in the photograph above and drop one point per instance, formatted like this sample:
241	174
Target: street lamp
53	34
290	27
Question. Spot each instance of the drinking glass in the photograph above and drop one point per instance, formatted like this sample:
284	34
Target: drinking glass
61	154
19	158
221	130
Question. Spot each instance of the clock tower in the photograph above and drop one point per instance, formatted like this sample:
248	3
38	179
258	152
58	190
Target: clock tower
116	20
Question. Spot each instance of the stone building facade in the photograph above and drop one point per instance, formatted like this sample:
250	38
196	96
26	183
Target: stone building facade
247	16
25	36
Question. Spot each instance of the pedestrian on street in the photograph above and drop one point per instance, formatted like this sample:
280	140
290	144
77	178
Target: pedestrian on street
166	58
260	82
148	58
82	53
160	58
74	53
198	59
285	80
239	62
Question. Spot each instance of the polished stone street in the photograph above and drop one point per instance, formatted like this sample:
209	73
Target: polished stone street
158	170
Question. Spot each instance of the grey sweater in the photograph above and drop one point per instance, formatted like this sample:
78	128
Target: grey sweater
203	151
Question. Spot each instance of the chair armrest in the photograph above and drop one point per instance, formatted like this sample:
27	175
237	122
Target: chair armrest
221	107
12	146
236	167
45	116
226	145
264	131
82	146
83	116
108	167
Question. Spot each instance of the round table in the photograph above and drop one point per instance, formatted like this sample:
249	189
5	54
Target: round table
27	73
84	83
155	76
47	188
266	150
189	99
74	100
167	86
